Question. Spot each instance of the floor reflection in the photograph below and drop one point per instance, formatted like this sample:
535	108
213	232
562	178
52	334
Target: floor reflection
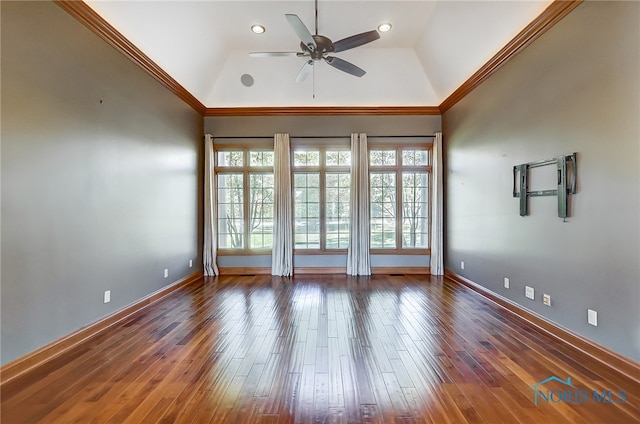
326	350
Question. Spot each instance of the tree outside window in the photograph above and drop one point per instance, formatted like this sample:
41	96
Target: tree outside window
399	179
245	174
399	198
322	186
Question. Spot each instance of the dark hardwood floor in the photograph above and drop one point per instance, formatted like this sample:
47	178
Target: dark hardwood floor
334	349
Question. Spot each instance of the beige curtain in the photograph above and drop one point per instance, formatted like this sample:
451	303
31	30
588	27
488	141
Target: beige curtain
282	252
358	261
437	254
209	251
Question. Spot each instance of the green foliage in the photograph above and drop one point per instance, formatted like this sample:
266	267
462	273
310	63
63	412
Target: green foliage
338	158
306	158
261	158
382	157
261	210
233	158
414	204
415	201
415	157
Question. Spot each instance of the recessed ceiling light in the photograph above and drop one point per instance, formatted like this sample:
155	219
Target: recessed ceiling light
258	29
386	27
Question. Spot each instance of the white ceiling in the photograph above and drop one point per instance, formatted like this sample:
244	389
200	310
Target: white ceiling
433	47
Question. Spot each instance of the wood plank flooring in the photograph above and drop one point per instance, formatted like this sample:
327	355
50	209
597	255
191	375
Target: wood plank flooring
325	349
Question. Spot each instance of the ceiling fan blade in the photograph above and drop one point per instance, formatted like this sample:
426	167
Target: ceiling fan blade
302	31
274	54
304	72
355	41
345	66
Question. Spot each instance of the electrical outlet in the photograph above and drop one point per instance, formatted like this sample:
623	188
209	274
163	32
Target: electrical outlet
107	296
506	283
190	263
166	273
592	317
461	264
546	299
529	292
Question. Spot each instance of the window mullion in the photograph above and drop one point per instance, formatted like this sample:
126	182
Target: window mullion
430	193
399	193
247	203
322	199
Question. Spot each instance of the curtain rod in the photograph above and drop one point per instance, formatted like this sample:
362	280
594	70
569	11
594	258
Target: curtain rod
234	137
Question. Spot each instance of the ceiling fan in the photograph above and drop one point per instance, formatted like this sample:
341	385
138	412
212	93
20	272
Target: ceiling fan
317	47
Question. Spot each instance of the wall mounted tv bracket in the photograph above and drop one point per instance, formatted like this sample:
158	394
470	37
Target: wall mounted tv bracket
564	186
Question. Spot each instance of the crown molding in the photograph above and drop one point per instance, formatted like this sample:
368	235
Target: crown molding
322	110
89	18
547	19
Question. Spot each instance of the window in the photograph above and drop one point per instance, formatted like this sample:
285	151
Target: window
245	174
415	210
306	188
399	181
399	198
382	200
337	198
337	202
231	211
261	210
321	183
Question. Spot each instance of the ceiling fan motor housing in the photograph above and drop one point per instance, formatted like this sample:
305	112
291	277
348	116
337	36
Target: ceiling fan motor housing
323	45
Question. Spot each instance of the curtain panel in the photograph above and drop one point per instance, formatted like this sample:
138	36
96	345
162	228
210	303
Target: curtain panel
282	253
209	251
358	260
437	254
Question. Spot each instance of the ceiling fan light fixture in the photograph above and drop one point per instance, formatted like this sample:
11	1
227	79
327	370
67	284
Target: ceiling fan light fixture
385	27
258	29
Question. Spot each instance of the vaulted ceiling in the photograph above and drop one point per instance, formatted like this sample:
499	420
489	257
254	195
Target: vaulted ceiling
431	50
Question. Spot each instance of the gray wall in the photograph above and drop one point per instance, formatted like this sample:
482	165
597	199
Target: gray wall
576	89
100	179
314	126
305	126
